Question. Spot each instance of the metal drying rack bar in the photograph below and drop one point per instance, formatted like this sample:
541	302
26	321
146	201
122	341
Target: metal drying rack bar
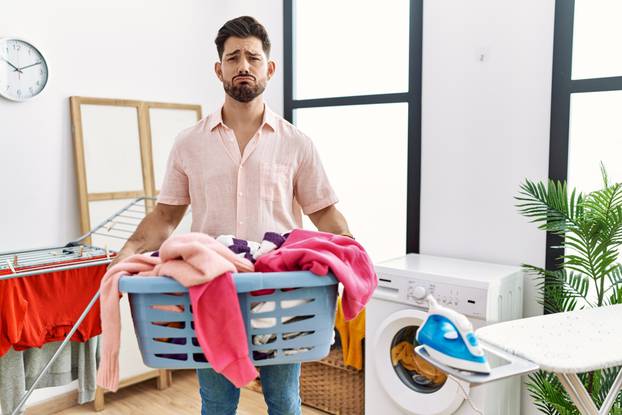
45	260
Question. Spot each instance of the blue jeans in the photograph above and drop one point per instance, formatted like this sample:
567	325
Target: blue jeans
280	384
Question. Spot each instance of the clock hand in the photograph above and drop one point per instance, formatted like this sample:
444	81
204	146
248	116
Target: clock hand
28	66
11	65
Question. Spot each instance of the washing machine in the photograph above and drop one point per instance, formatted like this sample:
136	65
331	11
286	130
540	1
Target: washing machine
402	384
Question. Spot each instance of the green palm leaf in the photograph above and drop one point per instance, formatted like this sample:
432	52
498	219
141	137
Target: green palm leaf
589	275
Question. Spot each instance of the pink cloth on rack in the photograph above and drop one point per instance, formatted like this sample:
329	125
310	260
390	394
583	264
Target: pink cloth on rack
195	260
320	252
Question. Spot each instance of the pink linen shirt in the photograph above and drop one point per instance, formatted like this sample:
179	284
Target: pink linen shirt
262	190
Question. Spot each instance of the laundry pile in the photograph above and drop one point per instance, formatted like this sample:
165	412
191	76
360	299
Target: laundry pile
422	372
204	265
252	251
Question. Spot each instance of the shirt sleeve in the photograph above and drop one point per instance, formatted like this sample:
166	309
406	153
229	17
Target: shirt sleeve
311	186
175	186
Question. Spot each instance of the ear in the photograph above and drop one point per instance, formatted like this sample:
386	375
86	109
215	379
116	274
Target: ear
271	68
218	70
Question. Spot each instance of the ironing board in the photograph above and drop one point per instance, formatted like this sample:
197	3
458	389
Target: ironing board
564	343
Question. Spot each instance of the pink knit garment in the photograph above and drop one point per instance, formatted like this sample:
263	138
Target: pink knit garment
194	260
320	252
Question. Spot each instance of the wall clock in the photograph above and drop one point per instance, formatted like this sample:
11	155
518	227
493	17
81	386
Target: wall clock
23	70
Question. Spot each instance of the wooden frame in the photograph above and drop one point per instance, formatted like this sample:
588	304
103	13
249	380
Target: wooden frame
149	189
145	143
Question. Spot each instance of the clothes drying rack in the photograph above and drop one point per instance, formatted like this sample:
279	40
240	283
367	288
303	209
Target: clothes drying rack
565	344
74	255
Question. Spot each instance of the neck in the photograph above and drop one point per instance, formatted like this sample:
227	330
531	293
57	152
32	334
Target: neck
236	114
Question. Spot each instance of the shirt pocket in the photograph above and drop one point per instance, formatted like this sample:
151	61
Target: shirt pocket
274	181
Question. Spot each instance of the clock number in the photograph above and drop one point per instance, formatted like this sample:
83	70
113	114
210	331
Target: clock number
19	92
30	89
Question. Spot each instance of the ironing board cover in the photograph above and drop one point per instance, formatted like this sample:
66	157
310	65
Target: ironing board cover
572	342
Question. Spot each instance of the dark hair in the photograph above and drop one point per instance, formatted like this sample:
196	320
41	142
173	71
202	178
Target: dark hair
242	27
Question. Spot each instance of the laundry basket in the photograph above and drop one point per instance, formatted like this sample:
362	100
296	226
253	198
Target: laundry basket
302	332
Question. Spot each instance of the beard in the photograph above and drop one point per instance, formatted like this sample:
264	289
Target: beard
244	92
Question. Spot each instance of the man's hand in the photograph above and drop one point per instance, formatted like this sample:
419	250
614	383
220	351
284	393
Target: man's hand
330	220
123	254
152	231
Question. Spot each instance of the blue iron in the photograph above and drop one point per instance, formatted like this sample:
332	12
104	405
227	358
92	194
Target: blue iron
448	338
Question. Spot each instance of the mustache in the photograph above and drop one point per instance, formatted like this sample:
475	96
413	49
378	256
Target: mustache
244	76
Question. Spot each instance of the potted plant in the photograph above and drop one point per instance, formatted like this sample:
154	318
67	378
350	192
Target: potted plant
589	275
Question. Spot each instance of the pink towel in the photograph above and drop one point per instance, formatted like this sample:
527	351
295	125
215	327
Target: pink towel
320	252
195	260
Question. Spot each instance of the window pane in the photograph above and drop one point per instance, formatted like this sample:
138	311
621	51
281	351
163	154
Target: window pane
595	136
366	163
350	47
597	44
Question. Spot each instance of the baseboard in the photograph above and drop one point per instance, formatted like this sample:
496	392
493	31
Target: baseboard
53	405
70	399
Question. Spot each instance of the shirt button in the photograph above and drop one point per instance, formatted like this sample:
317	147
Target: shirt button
240	194
241	222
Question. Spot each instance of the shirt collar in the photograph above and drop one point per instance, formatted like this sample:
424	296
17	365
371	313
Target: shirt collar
269	118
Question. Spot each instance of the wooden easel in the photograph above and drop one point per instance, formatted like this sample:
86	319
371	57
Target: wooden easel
147	171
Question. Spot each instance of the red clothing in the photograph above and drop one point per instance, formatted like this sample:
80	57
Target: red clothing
320	252
220	330
43	308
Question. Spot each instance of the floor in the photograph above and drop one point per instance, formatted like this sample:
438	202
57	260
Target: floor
181	398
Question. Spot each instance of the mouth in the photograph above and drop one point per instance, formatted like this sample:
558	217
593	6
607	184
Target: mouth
243	78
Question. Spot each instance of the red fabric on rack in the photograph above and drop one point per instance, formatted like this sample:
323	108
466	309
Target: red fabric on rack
43	308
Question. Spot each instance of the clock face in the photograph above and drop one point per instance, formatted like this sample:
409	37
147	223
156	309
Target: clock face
23	71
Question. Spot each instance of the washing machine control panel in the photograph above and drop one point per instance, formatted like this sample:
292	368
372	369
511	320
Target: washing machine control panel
466	300
470	301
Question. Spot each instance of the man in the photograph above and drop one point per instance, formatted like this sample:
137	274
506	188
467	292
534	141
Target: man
245	171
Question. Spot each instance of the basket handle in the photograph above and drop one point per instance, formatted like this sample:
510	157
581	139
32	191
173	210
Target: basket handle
245	282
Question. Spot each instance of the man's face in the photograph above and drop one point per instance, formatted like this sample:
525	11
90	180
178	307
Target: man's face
244	69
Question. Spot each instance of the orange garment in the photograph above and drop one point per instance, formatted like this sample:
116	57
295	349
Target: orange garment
43	308
404	353
352	334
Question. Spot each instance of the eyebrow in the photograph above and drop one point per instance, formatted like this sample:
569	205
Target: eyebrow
237	52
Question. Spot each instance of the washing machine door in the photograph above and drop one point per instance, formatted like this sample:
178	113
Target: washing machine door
417	388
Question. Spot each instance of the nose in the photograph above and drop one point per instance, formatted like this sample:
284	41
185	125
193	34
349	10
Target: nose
244	66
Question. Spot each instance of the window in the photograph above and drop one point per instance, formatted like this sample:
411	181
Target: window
353	84
586	126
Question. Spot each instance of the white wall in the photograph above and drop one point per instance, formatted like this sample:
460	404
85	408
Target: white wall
149	50
487	68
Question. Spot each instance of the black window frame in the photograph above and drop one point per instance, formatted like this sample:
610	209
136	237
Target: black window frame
563	86
412	98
